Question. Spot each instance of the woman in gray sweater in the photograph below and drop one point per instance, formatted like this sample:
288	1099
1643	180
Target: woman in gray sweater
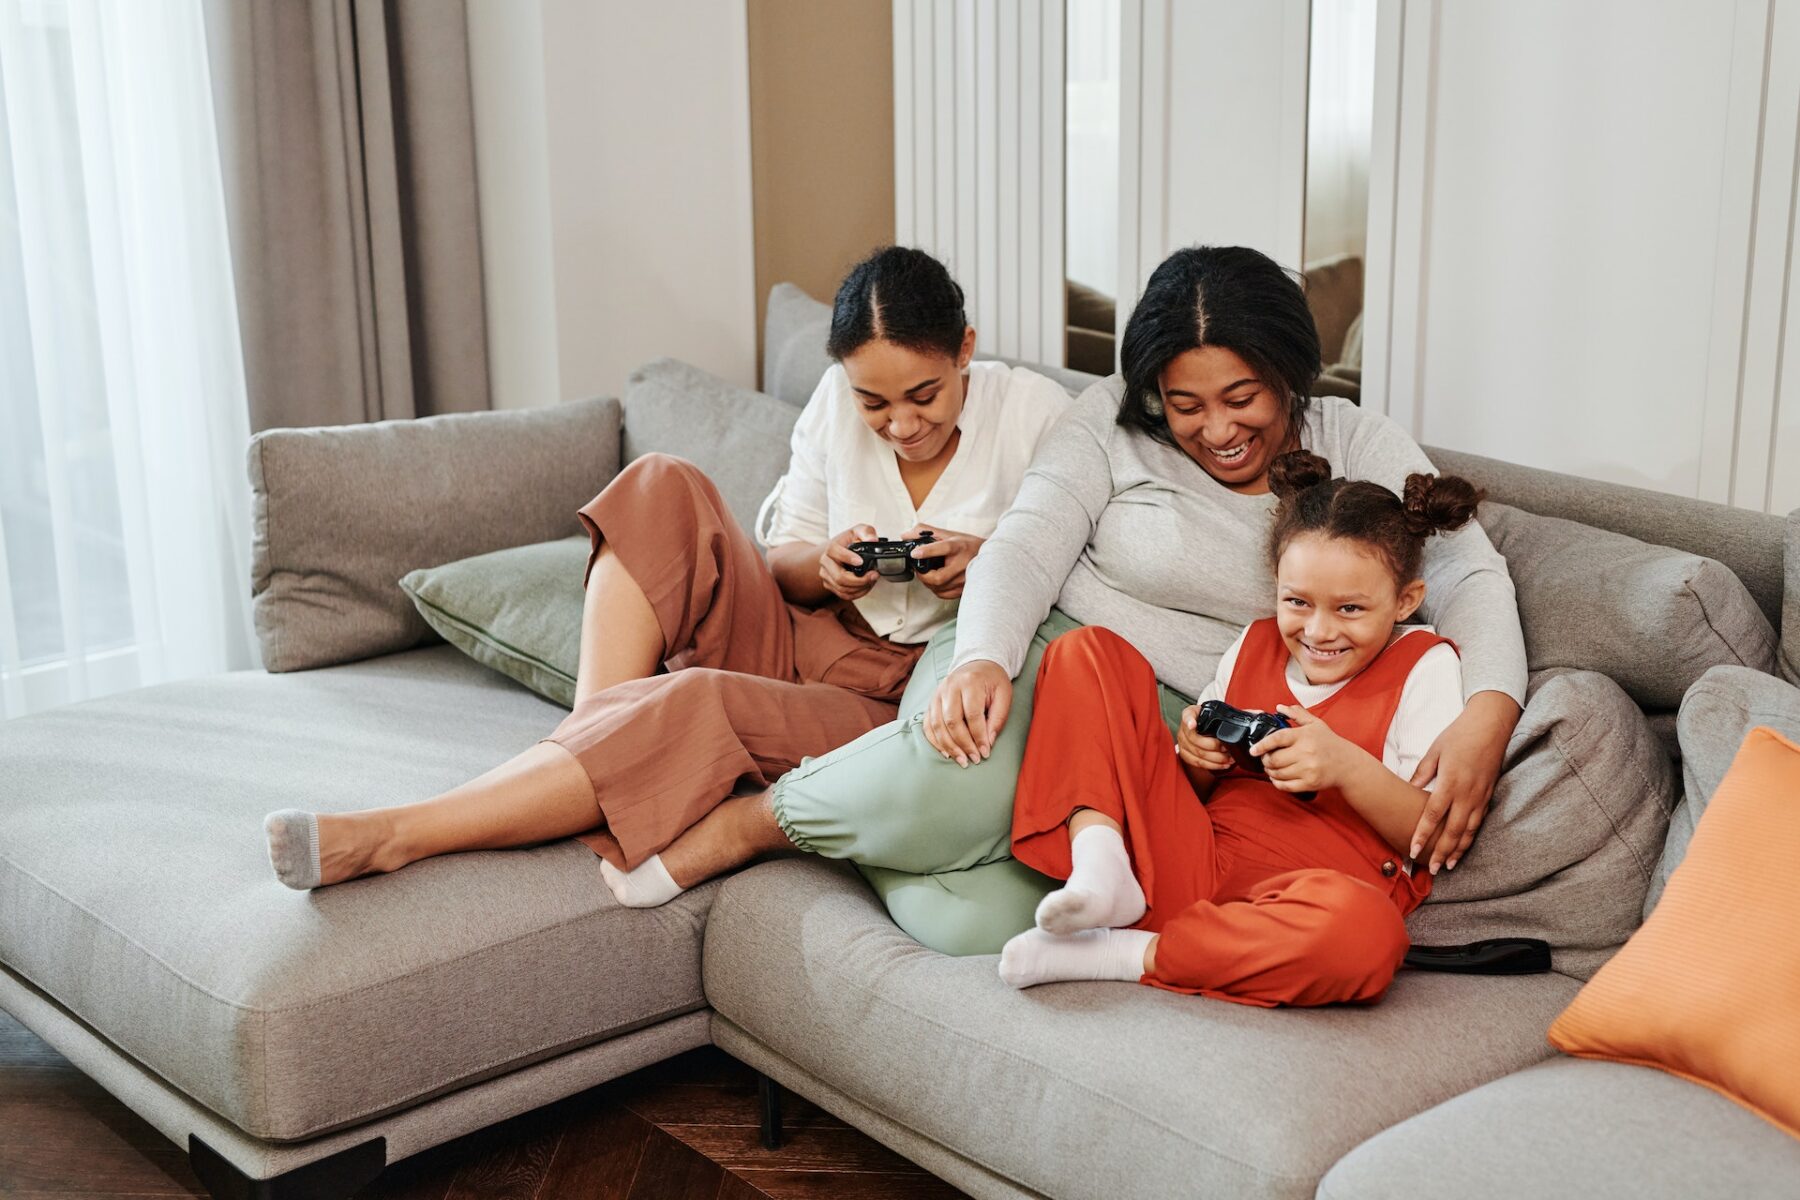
1146	510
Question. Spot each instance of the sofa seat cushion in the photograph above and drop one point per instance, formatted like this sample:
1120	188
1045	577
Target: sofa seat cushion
1604	1131
1071	1089
136	891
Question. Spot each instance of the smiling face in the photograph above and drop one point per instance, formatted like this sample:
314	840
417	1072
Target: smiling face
912	399
1224	417
1336	604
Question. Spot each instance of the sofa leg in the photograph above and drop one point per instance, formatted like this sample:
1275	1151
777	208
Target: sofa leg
327	1179
770	1093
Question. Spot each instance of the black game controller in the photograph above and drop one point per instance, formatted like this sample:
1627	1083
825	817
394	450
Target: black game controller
1239	730
893	560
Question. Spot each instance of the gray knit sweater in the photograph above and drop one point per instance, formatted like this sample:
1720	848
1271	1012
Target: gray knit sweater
1118	529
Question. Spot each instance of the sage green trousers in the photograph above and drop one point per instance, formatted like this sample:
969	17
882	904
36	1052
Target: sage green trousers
932	838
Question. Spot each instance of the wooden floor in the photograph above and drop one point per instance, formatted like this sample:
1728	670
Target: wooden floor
687	1129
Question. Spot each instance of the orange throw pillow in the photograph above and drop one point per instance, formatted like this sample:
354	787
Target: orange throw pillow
1709	987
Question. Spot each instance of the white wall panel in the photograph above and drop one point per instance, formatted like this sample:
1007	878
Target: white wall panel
1581	232
980	184
1212	99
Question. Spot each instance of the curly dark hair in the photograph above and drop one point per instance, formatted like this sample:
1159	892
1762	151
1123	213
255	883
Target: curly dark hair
1395	527
1228	296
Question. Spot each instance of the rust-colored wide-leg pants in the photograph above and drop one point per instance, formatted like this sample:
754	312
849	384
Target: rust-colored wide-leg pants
754	684
1289	920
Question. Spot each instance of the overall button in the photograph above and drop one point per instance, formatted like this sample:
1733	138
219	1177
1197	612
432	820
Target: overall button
1389	868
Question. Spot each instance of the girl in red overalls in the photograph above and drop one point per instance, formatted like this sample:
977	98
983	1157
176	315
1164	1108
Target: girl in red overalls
1190	874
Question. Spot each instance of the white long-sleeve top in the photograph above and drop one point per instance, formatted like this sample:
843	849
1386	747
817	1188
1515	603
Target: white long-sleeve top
842	473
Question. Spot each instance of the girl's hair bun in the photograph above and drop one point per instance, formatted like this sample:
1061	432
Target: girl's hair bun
1295	471
1438	503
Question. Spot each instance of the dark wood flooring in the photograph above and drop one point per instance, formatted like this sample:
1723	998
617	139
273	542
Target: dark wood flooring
686	1129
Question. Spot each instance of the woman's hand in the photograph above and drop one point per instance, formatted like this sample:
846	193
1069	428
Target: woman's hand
1306	756
837	563
1465	761
956	549
1198	751
968	710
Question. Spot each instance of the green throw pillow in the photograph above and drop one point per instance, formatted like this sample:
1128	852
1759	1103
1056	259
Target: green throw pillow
517	611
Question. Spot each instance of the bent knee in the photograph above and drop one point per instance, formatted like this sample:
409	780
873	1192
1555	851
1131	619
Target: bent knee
1359	939
1091	649
661	475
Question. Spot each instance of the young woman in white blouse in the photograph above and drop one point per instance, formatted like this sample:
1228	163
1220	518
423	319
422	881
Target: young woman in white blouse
704	667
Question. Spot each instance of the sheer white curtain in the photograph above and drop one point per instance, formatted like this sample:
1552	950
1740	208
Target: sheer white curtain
124	509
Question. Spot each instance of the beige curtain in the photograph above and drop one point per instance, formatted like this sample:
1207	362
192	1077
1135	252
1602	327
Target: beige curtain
348	142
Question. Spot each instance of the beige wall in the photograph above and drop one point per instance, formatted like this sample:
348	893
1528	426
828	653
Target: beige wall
613	161
512	178
821	138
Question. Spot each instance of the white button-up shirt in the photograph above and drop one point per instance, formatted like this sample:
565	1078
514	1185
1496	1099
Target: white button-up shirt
842	474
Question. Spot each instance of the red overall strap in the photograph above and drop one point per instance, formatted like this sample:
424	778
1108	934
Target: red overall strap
1360	711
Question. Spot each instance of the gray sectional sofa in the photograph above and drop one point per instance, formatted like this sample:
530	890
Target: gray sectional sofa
295	1043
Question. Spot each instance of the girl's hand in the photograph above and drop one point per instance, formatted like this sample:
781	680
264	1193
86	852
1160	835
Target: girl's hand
836	564
968	710
1305	757
1465	761
1196	750
956	549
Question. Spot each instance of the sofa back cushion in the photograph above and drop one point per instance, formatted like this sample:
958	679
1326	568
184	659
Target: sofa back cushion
794	335
1790	605
740	438
341	513
1653	618
1570	844
1747	542
1716	715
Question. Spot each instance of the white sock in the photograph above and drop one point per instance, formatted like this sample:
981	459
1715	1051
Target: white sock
1036	957
644	886
1101	892
294	847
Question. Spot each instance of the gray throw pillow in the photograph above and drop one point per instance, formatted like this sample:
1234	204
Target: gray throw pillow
794	335
1718	712
341	513
517	611
740	438
1569	845
1652	618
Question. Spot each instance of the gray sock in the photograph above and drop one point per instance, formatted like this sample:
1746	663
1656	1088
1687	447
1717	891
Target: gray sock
294	847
